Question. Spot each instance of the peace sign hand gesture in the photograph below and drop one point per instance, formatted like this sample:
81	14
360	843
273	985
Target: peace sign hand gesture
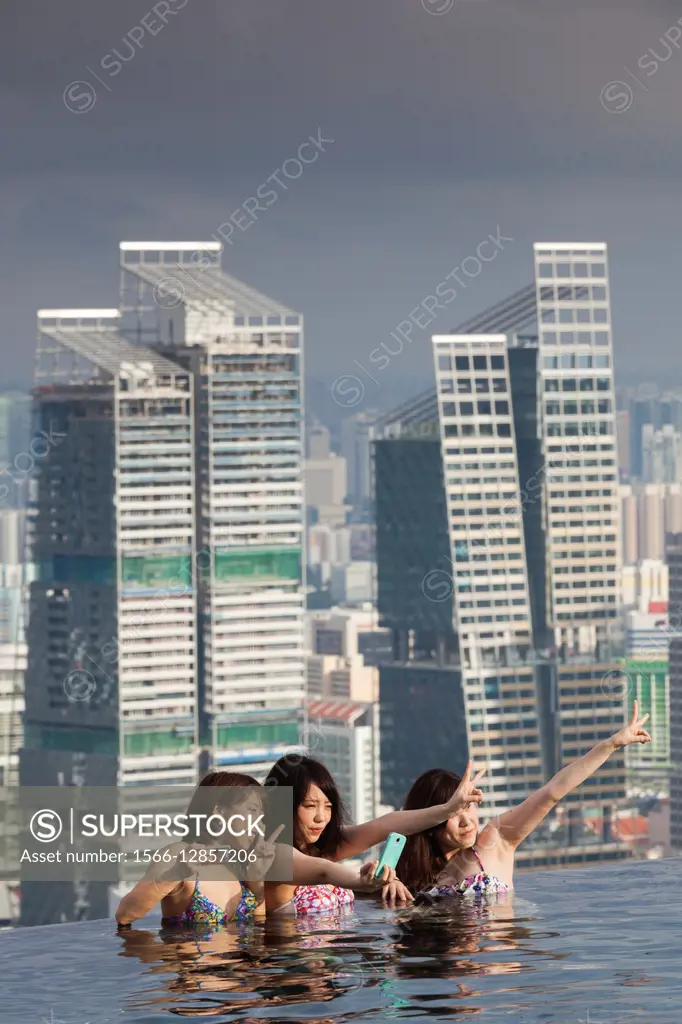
467	792
634	732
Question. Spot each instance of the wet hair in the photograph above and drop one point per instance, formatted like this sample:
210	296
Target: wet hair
302	772
208	796
422	859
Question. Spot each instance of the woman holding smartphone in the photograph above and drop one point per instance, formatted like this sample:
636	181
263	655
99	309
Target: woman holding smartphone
321	831
188	901
458	859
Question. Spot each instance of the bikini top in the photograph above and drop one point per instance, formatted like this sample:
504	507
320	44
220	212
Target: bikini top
480	882
203	911
315	899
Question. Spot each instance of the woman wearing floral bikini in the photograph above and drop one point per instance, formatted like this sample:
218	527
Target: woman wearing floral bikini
189	901
321	831
455	859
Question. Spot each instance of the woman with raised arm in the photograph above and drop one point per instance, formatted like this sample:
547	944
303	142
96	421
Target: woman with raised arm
321	831
188	901
448	860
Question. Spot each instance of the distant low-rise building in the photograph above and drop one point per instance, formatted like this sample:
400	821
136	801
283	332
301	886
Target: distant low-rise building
346	646
325	488
644	584
648	634
649	765
344	735
353	584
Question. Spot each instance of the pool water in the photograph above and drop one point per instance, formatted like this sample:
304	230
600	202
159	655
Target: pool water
596	946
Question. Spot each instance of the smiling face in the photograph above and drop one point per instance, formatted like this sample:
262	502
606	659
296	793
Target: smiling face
460	831
313	815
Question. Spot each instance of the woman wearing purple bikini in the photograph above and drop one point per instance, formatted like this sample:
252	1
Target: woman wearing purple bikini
456	859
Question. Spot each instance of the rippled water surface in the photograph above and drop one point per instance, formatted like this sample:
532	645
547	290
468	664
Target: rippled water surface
599	946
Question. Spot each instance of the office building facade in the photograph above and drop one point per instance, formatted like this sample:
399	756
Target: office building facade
356	433
579	434
166	625
245	351
344	735
519	610
16	454
648	682
112	635
674	560
649	512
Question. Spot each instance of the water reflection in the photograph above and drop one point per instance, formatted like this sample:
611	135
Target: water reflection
230	971
598	944
392	964
442	950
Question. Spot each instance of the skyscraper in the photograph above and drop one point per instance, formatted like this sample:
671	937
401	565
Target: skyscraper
318	442
579	437
15	576
112	637
166	627
645	408
15	455
674	560
520	574
661	454
245	352
355	447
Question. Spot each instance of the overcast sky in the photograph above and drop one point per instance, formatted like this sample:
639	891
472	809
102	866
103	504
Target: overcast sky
447	127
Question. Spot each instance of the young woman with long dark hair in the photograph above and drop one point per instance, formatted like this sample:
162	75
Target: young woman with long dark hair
446	860
321	829
189	902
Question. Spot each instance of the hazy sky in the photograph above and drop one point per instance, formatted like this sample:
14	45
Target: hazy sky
447	127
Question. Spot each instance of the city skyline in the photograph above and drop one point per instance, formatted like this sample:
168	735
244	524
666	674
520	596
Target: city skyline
555	338
340	508
516	625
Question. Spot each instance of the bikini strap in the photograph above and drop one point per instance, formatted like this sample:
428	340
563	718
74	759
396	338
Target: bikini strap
480	862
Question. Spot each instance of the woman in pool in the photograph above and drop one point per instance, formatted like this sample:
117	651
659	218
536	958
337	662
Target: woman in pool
447	861
188	901
320	830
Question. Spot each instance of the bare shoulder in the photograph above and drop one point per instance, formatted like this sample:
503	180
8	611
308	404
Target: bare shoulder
489	838
171	865
492	841
505	835
496	852
277	894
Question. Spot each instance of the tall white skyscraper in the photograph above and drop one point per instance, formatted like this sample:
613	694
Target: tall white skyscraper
579	438
480	466
245	351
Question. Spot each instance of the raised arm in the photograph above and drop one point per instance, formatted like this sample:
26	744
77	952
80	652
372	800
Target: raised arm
319	871
363	837
515	825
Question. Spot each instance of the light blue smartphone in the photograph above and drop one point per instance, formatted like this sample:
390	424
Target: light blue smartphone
390	855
